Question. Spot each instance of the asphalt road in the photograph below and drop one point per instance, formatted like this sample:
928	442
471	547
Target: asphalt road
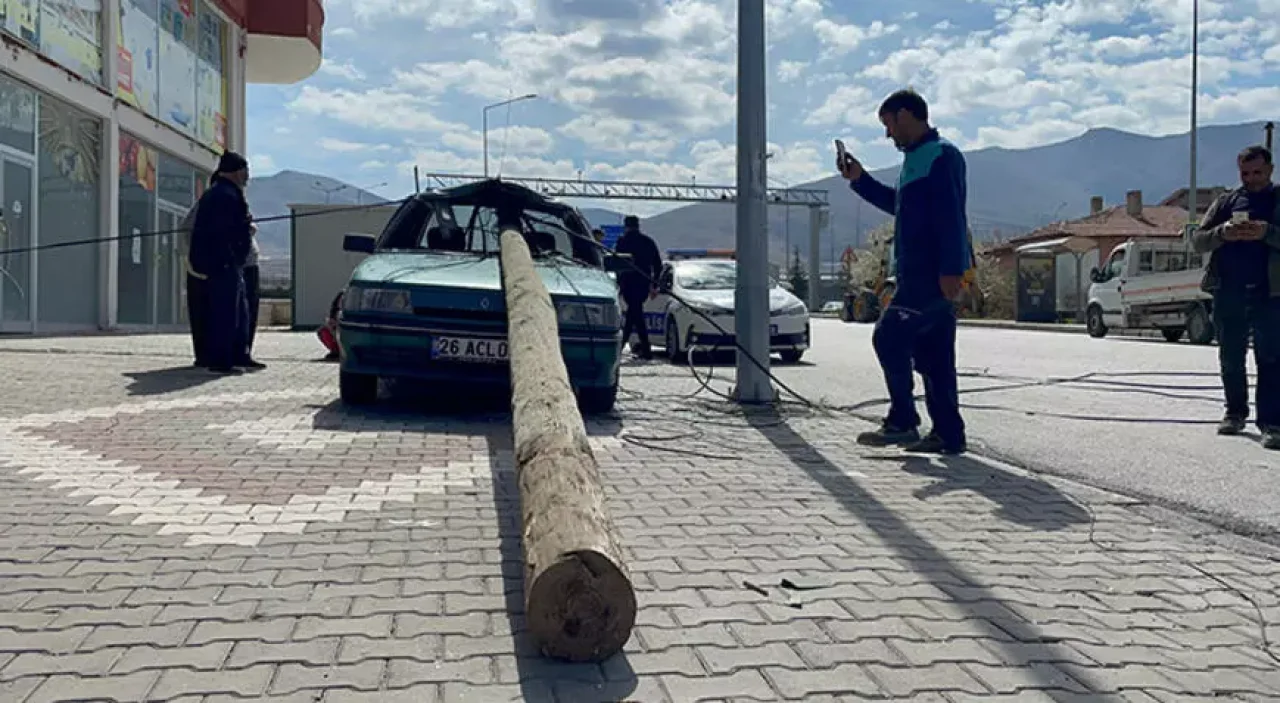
1141	421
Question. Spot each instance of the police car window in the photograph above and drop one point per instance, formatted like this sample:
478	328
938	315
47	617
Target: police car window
706	275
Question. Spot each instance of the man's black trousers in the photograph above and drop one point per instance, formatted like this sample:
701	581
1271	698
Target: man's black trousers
1237	315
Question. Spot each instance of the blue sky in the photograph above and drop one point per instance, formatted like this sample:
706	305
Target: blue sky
644	89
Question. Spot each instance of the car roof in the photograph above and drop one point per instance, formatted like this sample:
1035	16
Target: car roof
493	191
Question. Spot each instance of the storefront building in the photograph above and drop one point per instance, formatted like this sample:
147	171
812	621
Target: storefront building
112	115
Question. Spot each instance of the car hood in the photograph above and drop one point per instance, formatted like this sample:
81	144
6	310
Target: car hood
476	272
723	298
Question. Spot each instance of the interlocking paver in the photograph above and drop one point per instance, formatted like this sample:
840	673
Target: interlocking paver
248	538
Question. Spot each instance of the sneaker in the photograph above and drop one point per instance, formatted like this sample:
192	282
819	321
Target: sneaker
1271	438
1231	426
933	444
888	436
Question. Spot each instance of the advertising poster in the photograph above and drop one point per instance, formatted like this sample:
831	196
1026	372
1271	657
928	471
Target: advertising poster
211	130
138	161
138	79
71	34
1036	301
22	20
177	84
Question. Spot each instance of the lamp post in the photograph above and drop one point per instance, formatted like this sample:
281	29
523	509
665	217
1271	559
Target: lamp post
484	121
328	192
1193	192
360	192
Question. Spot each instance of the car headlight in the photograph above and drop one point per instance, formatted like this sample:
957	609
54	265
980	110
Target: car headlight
359	299
796	308
578	314
706	308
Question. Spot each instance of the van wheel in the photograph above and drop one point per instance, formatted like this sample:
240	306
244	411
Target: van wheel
1199	327
1173	334
357	388
1093	322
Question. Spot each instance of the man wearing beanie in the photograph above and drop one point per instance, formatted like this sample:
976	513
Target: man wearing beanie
221	240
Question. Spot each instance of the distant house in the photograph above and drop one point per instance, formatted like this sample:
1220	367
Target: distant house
1204	198
1104	227
1080	244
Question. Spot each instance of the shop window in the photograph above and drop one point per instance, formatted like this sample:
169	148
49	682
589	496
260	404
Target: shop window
17	116
211	82
69	33
177	181
67	174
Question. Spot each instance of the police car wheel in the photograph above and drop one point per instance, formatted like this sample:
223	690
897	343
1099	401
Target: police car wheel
672	343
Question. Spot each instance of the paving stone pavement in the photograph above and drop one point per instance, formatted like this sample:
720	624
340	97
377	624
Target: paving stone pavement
168	536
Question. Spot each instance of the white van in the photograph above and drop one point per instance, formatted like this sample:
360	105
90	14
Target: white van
1151	284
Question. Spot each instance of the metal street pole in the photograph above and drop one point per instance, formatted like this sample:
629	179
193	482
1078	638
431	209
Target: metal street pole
1193	193
484	124
751	297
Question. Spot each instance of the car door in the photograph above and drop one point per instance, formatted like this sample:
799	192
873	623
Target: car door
655	310
1108	291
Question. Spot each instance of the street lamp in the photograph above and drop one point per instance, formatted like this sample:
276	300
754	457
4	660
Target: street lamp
484	120
1193	193
360	192
328	192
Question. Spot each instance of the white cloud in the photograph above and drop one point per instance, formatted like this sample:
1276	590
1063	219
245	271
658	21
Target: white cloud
839	39
346	70
262	164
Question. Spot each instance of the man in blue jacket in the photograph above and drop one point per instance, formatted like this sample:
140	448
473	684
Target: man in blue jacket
221	239
917	330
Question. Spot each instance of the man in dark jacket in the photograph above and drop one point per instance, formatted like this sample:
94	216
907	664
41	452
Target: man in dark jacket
638	282
930	255
220	242
1241	234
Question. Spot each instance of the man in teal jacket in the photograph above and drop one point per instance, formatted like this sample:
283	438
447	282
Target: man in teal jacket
917	331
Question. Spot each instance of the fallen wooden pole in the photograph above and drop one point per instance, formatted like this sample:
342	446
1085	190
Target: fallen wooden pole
579	601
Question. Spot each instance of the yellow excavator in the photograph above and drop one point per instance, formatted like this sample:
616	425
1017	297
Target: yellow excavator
866	300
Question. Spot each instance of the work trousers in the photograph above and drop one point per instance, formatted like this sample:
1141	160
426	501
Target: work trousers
197	307
1237	315
226	314
921	339
633	319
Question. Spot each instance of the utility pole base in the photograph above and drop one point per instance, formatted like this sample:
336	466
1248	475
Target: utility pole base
736	394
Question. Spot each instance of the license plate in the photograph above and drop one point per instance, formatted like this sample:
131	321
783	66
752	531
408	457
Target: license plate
480	351
773	330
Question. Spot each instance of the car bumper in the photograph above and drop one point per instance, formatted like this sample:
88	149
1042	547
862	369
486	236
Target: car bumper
787	333
392	351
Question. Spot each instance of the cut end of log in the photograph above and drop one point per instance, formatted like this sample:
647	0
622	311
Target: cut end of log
582	608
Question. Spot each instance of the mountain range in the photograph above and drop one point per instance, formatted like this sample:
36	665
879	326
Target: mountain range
1011	191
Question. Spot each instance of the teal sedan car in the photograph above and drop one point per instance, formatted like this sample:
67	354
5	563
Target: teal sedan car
428	304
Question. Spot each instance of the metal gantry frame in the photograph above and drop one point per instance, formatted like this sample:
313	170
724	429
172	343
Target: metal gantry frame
818	201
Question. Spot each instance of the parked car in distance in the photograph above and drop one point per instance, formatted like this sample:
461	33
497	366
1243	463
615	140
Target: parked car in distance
428	303
692	293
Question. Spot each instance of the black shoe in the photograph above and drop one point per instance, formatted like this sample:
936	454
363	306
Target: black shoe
1271	439
1231	425
200	364
933	444
888	436
251	365
225	370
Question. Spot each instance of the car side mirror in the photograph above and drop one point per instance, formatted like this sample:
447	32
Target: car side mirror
1095	275
359	243
617	263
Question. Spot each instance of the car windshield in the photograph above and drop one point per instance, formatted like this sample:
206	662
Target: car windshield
706	275
465	228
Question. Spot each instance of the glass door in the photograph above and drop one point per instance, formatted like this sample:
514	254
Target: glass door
17	231
168	267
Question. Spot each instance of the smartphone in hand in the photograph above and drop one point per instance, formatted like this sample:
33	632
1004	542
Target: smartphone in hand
842	156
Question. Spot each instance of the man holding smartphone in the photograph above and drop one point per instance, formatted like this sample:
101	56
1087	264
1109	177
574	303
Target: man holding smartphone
917	331
1240	234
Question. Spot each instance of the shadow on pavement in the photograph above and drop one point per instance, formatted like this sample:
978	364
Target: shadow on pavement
1024	500
542	680
168	380
1028	643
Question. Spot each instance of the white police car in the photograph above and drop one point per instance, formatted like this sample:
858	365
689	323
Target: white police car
707	286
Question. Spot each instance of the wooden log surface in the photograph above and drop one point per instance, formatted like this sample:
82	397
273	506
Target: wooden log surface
580	604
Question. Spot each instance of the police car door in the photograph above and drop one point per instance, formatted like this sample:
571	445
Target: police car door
655	311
